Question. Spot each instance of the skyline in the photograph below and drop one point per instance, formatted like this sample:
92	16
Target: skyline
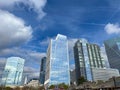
27	26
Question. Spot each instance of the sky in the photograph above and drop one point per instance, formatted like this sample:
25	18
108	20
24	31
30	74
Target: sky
26	26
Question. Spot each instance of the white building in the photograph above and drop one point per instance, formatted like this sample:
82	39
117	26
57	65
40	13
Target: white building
104	73
33	83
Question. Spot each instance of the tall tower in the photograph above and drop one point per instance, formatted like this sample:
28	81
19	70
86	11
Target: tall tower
42	70
86	56
112	47
57	65
13	71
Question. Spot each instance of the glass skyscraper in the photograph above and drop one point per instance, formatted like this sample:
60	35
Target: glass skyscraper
57	64
13	71
112	47
42	70
86	56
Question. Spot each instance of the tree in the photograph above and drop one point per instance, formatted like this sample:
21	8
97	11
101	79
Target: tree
81	80
8	88
63	85
52	87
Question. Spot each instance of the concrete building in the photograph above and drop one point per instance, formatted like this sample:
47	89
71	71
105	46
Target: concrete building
57	64
104	74
33	83
13	71
112	47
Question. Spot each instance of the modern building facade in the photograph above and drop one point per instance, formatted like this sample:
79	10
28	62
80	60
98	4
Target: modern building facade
42	70
104	56
13	71
112	47
86	56
57	64
104	74
73	77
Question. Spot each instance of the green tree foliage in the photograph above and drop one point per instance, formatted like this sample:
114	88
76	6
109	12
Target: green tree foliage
63	85
52	87
81	80
8	88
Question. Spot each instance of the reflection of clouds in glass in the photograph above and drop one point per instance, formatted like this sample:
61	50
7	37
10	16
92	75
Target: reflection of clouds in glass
59	71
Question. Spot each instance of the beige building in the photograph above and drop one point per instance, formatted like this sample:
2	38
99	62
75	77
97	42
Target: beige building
104	74
33	83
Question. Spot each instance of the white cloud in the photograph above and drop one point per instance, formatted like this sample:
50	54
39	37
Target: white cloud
71	43
36	5
30	56
13	31
7	3
45	42
30	70
112	28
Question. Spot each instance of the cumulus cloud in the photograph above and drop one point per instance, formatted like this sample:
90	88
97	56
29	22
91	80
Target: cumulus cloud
7	3
45	42
112	28
13	31
31	72
29	55
36	5
71	43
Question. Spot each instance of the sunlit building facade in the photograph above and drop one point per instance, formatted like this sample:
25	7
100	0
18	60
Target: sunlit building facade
13	71
57	64
42	70
112	47
104	74
86	56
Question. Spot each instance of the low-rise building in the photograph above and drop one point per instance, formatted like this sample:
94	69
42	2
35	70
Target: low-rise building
33	83
104	74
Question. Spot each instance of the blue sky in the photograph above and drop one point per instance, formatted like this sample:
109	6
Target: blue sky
27	26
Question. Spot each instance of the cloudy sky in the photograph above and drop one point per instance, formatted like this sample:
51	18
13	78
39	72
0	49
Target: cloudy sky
26	26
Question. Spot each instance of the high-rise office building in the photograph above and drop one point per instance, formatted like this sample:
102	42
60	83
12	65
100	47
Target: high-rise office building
86	56
112	47
57	64
13	71
42	70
